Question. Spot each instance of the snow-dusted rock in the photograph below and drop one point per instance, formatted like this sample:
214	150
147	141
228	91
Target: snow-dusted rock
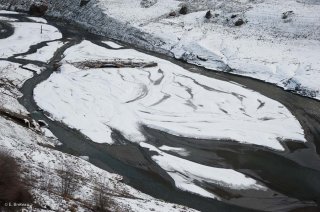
148	3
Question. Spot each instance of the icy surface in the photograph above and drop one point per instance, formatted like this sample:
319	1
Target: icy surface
33	68
25	35
38	20
178	150
2	18
188	175
112	44
45	53
8	12
166	97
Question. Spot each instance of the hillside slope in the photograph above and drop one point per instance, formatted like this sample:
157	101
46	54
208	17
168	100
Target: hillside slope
274	41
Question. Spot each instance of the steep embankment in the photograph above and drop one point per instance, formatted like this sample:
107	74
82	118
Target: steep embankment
93	18
249	38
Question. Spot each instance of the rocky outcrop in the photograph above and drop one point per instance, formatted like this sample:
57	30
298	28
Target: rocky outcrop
208	15
84	2
183	10
239	22
38	9
148	3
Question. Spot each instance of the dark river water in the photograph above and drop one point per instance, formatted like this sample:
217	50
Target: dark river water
292	176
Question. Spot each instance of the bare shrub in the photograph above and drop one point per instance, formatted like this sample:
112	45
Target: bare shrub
68	181
183	10
46	182
38	9
11	187
148	3
102	201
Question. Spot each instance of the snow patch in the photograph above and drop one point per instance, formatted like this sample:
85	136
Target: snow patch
25	35
187	174
166	97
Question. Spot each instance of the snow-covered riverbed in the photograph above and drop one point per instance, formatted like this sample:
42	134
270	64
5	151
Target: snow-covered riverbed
34	150
166	97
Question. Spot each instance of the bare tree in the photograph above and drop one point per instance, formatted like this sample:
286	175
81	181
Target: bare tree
68	181
46	183
101	200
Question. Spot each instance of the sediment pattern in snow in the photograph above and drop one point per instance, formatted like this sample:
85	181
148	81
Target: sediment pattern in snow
166	97
188	175
26	35
45	53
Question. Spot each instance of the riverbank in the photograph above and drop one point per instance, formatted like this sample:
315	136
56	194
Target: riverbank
36	149
268	45
304	156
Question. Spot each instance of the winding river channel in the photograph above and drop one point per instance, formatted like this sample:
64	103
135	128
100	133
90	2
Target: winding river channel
292	176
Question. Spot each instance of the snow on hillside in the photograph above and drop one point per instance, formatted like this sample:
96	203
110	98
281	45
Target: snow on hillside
42	164
274	41
11	77
267	46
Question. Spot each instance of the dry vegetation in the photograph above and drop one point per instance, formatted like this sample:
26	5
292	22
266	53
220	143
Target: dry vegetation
12	188
114	63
